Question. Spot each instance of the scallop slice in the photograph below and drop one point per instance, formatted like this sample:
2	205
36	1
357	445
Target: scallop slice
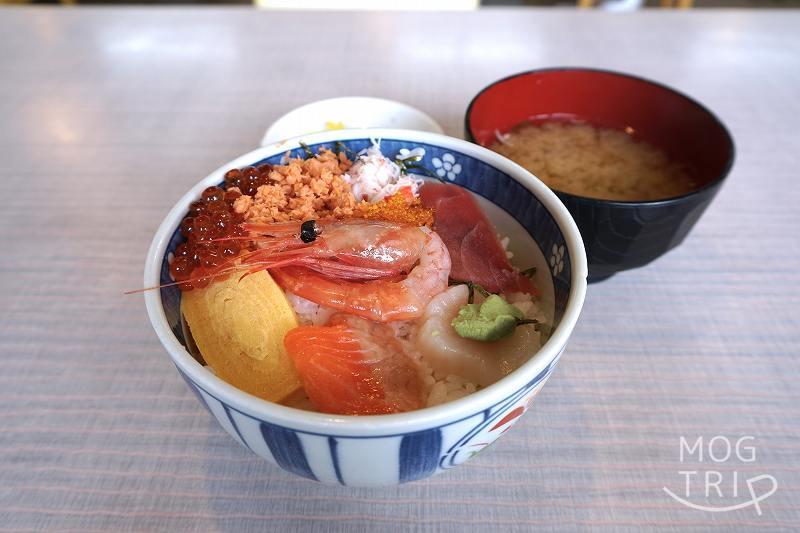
479	362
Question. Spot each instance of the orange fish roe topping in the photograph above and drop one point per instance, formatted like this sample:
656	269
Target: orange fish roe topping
303	189
400	207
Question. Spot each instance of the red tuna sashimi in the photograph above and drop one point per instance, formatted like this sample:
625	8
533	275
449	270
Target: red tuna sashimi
475	251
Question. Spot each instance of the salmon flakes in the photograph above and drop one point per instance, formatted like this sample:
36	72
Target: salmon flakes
302	189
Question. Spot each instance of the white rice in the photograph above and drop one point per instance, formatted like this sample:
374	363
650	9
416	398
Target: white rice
504	243
309	313
439	388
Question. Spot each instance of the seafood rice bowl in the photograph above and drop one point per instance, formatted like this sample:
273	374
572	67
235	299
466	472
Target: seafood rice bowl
366	307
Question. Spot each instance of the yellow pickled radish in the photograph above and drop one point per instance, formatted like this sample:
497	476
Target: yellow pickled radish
238	326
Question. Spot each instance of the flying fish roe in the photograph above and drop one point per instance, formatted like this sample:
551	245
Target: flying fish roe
397	208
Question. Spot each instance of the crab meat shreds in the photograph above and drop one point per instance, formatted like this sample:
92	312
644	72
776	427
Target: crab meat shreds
300	190
355	367
374	177
475	252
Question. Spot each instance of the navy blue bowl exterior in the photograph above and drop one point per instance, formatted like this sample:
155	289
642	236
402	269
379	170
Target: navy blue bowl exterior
620	236
425	452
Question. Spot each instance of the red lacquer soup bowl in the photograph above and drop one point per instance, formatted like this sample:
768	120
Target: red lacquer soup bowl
618	235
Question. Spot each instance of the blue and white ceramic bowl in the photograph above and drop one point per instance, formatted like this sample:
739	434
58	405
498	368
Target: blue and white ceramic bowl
391	449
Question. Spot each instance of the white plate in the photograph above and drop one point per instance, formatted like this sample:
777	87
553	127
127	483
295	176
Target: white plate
348	113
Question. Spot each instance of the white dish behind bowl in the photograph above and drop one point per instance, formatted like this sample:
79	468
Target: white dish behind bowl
379	450
351	112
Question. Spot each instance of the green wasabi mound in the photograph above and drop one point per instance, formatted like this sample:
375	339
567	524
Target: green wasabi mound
492	320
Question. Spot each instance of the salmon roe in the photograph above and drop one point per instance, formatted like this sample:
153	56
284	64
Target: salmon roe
209	219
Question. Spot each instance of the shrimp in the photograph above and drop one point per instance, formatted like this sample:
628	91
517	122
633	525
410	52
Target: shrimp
374	269
380	300
355	367
354	249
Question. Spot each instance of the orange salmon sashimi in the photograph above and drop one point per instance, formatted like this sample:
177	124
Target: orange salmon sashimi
355	367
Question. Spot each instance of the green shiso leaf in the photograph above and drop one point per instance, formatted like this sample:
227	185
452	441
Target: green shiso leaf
309	154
